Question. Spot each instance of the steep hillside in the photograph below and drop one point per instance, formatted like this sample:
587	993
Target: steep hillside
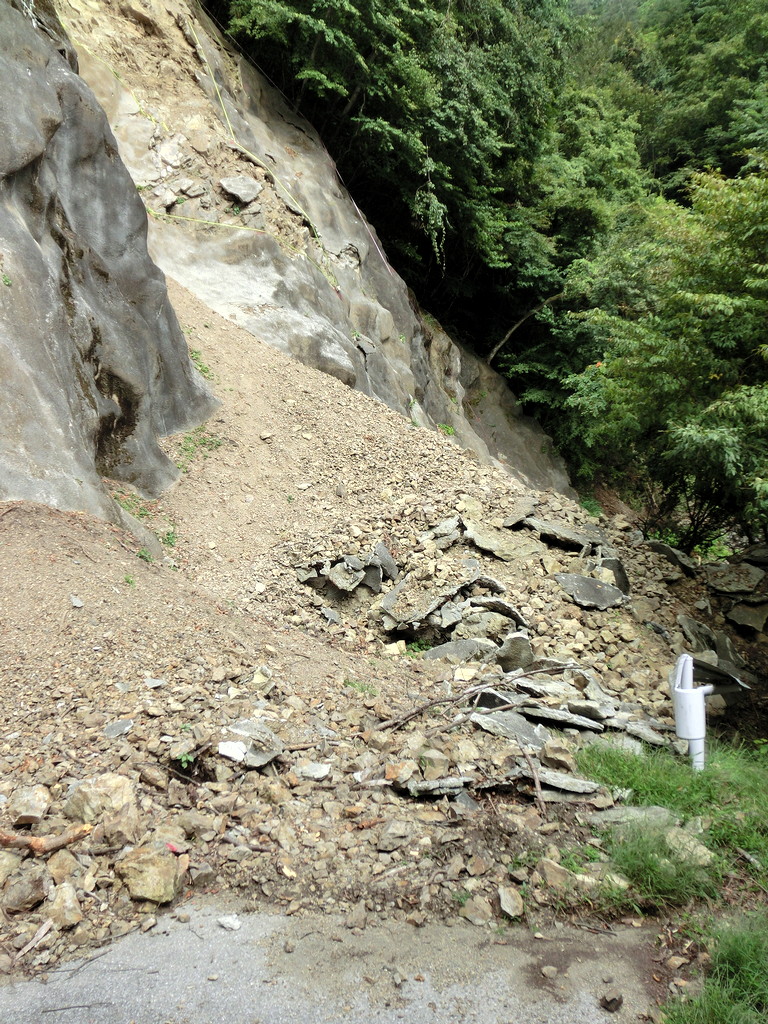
247	210
350	673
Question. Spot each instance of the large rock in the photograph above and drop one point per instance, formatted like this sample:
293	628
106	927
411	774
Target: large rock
94	363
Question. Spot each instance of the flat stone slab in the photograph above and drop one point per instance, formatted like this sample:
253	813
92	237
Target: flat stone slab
242	187
588	592
678	558
734	579
561	717
565	536
504	544
753	615
512	726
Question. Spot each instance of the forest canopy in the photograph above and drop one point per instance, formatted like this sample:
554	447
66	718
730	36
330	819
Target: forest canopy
579	190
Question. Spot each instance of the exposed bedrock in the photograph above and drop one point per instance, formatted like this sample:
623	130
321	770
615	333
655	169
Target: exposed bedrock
94	364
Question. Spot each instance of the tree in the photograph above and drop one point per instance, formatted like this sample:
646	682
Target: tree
680	301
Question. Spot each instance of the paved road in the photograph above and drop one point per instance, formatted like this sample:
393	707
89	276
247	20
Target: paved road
313	970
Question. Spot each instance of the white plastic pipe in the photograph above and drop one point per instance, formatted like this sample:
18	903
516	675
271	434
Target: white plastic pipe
690	710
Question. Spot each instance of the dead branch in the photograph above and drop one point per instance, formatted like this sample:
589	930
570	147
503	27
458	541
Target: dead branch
536	784
43	844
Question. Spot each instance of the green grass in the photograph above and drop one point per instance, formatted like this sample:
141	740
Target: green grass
736	988
657	873
197	442
730	794
365	688
447	429
202	368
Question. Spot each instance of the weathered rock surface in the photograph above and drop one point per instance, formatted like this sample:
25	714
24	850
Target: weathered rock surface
95	364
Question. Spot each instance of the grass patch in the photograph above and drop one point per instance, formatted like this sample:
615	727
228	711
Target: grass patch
660	875
197	442
730	794
736	988
202	368
365	688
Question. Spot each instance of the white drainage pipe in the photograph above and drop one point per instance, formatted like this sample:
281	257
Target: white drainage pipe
690	710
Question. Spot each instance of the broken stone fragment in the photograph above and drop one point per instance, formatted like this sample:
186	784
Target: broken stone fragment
242	187
504	544
734	579
510	901
493	603
26	888
103	795
698	635
513	727
536	711
564	536
256	746
451	786
64	908
561	780
612	1000
381	556
676	557
9	862
515	652
345	576
754	616
556	755
28	805
588	592
463	650
394	835
477	910
150	873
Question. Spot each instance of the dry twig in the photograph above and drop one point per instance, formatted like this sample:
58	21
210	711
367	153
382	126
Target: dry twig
43	844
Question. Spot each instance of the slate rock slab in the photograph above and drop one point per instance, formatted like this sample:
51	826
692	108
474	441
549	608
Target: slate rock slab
588	592
734	579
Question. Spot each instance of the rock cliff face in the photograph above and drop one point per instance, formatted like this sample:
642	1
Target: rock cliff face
248	212
95	366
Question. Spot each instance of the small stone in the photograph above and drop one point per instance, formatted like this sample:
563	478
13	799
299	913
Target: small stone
549	971
612	1000
230	922
28	805
118	728
151	873
65	907
242	187
76	602
674	963
477	910
511	901
104	794
27	888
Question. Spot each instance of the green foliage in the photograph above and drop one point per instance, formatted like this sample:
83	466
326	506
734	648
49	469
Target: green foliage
434	110
679	301
736	988
145	555
446	429
198	442
203	369
365	688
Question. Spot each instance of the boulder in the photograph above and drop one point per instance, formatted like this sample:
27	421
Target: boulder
95	365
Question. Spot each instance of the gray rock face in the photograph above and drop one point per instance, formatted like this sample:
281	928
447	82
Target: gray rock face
94	363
